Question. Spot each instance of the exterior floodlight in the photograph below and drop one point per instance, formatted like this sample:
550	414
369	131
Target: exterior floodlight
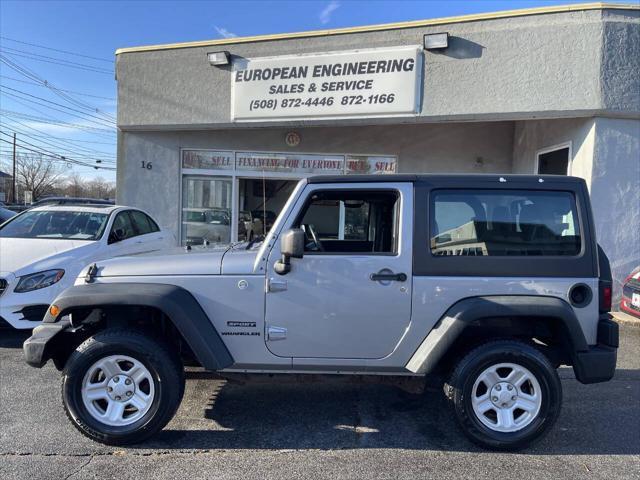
436	41
218	58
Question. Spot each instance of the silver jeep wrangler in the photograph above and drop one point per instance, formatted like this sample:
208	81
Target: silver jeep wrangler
487	282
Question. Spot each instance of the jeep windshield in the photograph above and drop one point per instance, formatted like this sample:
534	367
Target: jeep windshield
56	224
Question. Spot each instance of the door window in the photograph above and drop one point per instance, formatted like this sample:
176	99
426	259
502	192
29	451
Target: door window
142	223
351	222
122	223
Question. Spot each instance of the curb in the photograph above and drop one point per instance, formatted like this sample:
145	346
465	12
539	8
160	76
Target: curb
626	319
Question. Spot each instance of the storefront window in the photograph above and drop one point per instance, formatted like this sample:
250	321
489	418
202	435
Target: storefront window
206	210
260	202
236	196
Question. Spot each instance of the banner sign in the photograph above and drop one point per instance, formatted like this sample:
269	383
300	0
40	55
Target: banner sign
364	164
361	83
302	164
207	159
295	163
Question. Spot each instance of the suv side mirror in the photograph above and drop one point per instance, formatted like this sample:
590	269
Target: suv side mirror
291	246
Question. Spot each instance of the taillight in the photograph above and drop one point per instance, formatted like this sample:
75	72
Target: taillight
605	296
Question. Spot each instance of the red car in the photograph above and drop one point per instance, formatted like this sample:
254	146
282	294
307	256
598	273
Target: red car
630	302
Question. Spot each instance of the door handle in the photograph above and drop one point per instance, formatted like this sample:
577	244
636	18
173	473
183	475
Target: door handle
276	285
397	277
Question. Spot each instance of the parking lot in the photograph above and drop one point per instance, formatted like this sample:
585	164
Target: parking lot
316	431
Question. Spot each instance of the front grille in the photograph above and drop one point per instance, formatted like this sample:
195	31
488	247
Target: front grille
3	285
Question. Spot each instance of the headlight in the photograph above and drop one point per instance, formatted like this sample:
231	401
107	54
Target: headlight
39	280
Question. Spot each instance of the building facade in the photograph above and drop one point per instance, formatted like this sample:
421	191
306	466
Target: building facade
213	134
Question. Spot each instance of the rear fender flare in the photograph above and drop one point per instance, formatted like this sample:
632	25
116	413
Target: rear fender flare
472	311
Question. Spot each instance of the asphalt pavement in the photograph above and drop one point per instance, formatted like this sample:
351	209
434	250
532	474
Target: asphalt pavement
336	431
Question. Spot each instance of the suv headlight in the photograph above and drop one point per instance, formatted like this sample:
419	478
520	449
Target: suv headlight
39	280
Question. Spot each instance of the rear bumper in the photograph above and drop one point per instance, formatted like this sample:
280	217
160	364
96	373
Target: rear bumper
626	308
598	364
38	348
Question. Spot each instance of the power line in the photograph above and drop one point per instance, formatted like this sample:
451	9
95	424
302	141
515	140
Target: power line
53	121
18	99
16	51
53	103
50	138
61	63
74	150
38	84
55	49
46	135
48	153
30	74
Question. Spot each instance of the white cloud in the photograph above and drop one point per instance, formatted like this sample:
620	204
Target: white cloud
325	14
223	32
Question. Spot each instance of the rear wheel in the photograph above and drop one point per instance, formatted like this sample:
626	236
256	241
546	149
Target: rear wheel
506	395
120	386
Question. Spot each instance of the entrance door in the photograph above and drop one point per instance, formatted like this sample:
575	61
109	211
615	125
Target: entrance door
206	209
349	297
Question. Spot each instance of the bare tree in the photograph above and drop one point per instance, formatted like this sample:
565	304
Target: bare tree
38	174
99	188
76	186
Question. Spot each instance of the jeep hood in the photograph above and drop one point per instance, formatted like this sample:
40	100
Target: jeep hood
179	261
171	262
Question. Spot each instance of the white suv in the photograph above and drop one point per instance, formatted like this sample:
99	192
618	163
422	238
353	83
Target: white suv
43	249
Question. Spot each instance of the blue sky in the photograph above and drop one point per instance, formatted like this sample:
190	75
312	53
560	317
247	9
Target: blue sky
97	28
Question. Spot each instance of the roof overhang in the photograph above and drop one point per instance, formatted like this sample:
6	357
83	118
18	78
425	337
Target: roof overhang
387	26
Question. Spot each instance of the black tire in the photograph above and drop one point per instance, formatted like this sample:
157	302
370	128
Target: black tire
159	359
460	386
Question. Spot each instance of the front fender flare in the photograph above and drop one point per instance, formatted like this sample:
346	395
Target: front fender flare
175	302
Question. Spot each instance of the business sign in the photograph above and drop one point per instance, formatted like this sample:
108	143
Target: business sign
368	164
302	164
207	159
292	163
360	83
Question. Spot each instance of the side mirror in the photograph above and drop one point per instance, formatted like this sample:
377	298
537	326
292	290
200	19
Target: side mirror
291	246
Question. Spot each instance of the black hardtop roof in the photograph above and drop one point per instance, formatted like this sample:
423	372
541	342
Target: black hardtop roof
461	179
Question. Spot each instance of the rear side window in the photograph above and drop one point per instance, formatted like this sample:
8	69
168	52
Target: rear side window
142	223
504	223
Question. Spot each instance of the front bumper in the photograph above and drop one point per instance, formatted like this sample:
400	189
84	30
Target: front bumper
26	310
598	364
40	347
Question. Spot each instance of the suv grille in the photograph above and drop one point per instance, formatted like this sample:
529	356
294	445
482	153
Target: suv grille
3	285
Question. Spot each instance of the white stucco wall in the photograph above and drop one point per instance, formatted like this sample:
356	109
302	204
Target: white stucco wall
606	153
615	193
534	135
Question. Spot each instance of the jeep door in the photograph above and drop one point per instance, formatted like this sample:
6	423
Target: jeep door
349	297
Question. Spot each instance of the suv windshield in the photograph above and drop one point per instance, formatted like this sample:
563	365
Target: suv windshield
56	224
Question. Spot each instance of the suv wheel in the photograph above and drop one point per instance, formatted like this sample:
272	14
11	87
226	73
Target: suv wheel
506	395
120	386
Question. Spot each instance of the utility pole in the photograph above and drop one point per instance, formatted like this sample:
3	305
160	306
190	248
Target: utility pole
13	189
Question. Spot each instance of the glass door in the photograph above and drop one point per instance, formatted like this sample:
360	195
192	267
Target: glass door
206	209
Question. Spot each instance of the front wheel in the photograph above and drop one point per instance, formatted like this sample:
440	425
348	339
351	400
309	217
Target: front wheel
121	386
506	395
